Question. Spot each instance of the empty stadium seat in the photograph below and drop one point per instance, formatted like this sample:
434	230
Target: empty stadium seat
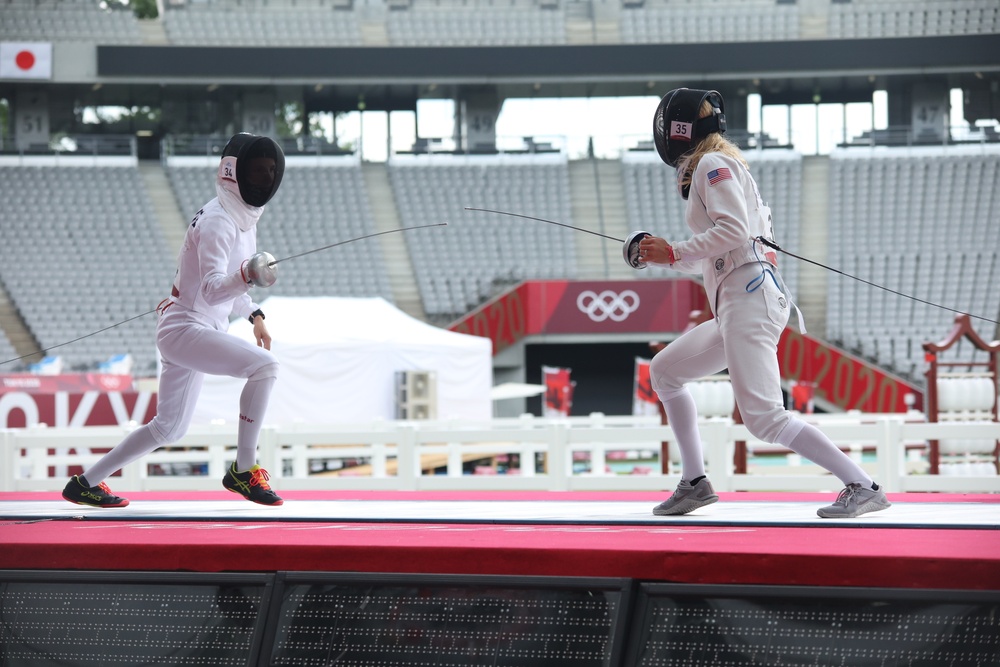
653	203
232	24
89	258
877	18
482	253
319	204
915	220
662	22
425	24
67	21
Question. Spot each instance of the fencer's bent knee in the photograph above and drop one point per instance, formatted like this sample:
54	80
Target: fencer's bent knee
167	433
265	372
766	426
662	381
671	394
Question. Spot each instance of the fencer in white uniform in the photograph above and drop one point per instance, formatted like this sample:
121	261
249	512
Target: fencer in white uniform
727	216
217	266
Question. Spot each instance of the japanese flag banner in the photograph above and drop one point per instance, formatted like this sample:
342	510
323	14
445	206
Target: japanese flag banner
558	391
644	398
25	60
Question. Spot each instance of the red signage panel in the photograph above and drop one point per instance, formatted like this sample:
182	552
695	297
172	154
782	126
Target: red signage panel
842	379
665	306
75	382
92	408
590	307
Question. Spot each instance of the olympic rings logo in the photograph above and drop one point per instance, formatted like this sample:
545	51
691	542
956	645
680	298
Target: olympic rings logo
607	305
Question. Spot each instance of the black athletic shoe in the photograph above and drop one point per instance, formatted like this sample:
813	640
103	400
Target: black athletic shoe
251	484
78	492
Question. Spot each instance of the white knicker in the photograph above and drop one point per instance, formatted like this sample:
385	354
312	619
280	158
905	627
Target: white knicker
743	338
190	348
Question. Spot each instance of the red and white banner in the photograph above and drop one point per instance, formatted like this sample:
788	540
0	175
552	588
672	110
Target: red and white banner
644	399
585	307
558	391
89	408
72	399
68	382
26	60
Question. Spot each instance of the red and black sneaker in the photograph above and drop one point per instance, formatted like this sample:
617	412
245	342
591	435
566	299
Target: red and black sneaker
78	491
251	484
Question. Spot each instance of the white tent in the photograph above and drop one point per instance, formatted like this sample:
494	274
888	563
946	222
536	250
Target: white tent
507	390
339	358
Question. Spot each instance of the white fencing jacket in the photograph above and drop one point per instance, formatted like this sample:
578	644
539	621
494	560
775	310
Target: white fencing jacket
222	235
726	214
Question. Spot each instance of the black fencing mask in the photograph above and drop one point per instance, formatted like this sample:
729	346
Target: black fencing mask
245	147
676	126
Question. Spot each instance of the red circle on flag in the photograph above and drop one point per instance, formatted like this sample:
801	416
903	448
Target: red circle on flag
25	60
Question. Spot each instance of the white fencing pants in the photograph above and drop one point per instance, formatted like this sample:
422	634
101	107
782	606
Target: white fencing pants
190	349
743	338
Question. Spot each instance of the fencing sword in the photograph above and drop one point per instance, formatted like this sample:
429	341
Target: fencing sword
269	264
360	238
630	246
765	241
771	244
551	222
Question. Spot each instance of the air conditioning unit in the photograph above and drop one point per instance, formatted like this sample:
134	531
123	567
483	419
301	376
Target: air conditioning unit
416	395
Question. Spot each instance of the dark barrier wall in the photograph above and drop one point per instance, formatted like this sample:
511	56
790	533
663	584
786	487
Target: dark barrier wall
134	618
479	64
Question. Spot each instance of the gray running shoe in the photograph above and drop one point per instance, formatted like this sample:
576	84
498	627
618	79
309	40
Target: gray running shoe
687	498
853	501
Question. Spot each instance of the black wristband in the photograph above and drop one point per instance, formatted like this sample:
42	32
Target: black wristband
255	314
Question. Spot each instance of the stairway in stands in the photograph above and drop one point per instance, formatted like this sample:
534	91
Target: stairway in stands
599	205
397	259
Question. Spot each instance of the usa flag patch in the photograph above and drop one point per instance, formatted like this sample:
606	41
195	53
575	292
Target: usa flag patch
720	174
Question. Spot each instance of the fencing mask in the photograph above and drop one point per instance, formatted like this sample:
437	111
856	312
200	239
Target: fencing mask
676	126
253	177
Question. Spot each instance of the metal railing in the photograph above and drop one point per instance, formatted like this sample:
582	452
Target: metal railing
556	455
72	147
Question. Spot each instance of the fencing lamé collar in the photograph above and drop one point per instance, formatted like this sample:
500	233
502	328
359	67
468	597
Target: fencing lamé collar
676	126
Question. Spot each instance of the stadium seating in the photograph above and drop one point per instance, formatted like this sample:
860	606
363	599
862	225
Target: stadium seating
315	207
490	22
482	252
88	258
91	253
659	22
653	204
234	24
876	18
456	24
916	220
67	21
7	352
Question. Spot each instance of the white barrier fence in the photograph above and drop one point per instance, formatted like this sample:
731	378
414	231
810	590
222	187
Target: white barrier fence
397	455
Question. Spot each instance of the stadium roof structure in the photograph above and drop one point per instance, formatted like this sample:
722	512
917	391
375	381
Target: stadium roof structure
393	78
